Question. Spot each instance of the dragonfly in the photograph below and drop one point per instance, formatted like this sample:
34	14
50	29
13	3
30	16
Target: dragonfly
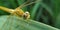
18	11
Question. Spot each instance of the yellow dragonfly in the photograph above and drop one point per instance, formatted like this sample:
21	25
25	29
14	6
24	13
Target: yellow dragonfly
18	11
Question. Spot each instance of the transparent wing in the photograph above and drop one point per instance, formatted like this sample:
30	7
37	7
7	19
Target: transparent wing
24	4
19	11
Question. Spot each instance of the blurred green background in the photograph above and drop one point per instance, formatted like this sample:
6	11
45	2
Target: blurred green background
45	11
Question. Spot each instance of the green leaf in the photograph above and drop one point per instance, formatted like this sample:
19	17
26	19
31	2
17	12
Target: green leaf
47	8
56	11
33	11
16	23
57	23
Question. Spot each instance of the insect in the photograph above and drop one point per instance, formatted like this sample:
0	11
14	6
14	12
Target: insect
18	11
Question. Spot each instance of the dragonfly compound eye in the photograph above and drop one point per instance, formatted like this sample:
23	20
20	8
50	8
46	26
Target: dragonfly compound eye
26	15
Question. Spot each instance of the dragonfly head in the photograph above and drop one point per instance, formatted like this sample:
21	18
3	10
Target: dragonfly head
26	15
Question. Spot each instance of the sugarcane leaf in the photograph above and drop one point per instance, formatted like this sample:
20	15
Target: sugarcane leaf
17	23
